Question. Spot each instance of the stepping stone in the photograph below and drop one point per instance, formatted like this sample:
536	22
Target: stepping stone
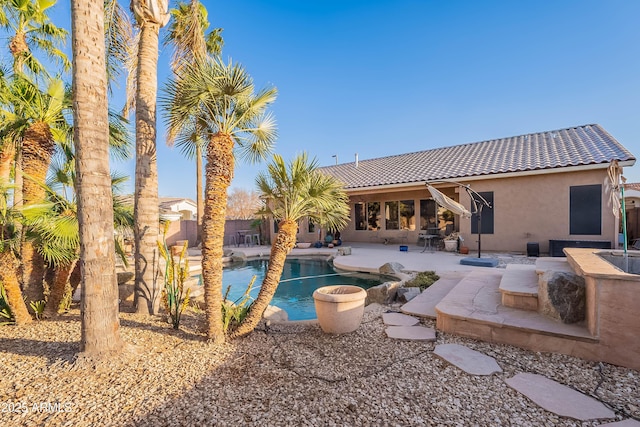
558	398
471	361
624	423
399	319
416	333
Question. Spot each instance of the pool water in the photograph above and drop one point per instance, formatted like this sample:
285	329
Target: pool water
300	277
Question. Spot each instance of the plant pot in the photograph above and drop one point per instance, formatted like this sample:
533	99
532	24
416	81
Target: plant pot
304	245
464	250
339	308
450	245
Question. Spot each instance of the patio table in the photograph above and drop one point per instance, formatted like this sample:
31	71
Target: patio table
427	241
241	237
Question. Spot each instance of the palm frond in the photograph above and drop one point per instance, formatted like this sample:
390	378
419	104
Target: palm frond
119	38
297	190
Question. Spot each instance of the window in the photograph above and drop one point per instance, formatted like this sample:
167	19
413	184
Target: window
486	215
400	215
585	209
391	215
311	226
428	214
367	216
407	215
373	215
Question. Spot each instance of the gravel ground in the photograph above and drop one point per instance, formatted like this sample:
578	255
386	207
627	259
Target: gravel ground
290	374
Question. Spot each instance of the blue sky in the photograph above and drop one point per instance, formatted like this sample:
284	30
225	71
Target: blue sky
379	78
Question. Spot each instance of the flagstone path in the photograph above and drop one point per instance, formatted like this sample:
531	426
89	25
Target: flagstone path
548	394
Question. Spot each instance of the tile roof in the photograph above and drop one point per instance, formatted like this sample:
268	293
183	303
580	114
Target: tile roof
575	146
632	186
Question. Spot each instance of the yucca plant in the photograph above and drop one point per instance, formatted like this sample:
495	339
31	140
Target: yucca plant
234	312
174	296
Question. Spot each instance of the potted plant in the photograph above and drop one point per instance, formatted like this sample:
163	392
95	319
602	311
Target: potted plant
451	242
339	308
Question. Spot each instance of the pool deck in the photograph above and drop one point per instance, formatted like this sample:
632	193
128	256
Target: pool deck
369	257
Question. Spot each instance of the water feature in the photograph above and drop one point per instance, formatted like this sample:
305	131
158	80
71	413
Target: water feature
299	279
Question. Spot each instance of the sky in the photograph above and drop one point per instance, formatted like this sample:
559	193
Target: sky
380	78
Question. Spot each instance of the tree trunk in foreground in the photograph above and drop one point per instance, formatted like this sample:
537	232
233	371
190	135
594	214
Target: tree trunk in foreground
9	278
220	165
285	241
37	149
60	288
146	209
100	323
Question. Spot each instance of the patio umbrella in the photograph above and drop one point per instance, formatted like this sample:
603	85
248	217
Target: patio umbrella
616	196
448	203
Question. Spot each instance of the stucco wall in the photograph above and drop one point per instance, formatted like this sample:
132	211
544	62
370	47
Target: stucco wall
531	208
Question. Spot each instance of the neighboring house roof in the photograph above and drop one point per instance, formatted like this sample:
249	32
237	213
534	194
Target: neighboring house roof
576	146
632	186
168	202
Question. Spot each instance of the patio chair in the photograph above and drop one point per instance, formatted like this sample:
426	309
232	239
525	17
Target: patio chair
635	244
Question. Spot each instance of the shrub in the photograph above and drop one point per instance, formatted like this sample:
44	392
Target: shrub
174	296
234	312
423	280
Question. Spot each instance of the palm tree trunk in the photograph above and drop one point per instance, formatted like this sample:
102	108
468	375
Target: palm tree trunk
7	155
199	195
219	171
9	277
100	324
75	279
60	288
285	241
37	149
146	209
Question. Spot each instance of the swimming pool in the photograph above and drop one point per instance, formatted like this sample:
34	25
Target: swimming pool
300	277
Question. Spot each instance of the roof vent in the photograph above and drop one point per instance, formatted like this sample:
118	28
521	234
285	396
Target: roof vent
356	160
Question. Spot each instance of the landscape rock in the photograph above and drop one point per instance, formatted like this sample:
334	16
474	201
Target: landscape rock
391	268
407	294
382	294
275	314
562	296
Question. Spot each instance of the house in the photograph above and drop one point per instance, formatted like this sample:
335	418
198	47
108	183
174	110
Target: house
187	208
544	188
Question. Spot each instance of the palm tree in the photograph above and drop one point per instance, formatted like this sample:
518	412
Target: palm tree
36	119
291	194
53	227
186	33
151	15
221	100
30	28
100	324
9	264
